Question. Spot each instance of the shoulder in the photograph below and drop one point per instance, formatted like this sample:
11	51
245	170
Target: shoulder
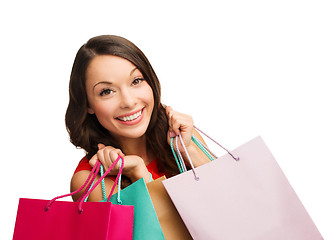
80	176
83	165
77	180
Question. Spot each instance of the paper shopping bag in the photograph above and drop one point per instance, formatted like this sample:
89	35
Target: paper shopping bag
62	220
171	223
249	199
146	225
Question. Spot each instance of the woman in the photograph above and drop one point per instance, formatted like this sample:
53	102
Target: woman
115	109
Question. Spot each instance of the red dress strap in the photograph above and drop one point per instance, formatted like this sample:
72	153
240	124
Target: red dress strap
83	165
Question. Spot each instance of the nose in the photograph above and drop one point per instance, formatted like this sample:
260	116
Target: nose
127	99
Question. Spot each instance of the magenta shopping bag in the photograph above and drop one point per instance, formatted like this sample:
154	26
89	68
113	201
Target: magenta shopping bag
62	220
245	199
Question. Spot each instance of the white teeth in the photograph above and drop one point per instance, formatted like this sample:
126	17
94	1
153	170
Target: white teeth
131	117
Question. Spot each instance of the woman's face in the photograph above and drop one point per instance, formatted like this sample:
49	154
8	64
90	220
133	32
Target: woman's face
119	96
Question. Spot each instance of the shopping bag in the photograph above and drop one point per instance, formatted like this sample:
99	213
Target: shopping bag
62	220
146	225
248	198
171	223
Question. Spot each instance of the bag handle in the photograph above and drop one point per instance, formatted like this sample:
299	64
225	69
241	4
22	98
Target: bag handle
103	184
93	178
90	179
119	201
102	177
234	157
177	157
179	160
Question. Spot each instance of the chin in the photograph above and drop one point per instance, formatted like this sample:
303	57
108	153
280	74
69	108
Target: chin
131	133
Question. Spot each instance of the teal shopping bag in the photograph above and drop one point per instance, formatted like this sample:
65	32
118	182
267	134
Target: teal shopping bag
146	225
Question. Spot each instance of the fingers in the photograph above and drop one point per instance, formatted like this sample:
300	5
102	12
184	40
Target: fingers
173	124
168	110
178	122
93	160
100	146
110	154
107	156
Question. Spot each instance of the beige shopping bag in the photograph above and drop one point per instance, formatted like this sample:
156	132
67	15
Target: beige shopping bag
169	219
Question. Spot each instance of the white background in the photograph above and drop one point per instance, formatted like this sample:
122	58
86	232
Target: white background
240	68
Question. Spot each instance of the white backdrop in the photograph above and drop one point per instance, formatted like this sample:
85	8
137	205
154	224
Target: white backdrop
240	68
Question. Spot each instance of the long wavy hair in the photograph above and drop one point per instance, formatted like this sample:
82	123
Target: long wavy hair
85	130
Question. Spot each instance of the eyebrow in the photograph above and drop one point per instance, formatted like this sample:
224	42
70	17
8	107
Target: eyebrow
133	70
102	82
107	82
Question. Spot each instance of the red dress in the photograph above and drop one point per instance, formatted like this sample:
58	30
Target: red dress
152	168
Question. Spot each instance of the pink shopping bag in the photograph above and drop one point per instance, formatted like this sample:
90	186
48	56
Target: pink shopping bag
61	220
245	199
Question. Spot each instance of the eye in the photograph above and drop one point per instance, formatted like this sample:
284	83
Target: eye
105	91
137	81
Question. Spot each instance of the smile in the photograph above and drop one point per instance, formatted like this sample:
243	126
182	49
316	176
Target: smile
130	117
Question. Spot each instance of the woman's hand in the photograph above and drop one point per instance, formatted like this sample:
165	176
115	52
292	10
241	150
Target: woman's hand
180	123
134	166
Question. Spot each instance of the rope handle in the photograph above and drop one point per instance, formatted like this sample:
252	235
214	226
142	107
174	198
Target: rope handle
103	183
179	160
90	178
118	195
177	157
102	177
236	158
204	148
196	177
89	181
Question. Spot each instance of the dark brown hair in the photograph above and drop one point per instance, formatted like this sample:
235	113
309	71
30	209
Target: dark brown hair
85	130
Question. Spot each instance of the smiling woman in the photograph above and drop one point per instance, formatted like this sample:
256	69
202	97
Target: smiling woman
115	109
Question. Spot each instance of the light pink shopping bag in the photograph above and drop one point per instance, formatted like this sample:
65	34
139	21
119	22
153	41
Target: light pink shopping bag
248	199
61	220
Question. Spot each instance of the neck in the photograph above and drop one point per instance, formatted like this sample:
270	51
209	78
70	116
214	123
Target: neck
136	146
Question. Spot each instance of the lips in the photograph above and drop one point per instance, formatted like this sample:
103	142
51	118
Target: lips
131	118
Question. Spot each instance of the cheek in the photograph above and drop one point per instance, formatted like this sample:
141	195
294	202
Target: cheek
101	110
147	95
